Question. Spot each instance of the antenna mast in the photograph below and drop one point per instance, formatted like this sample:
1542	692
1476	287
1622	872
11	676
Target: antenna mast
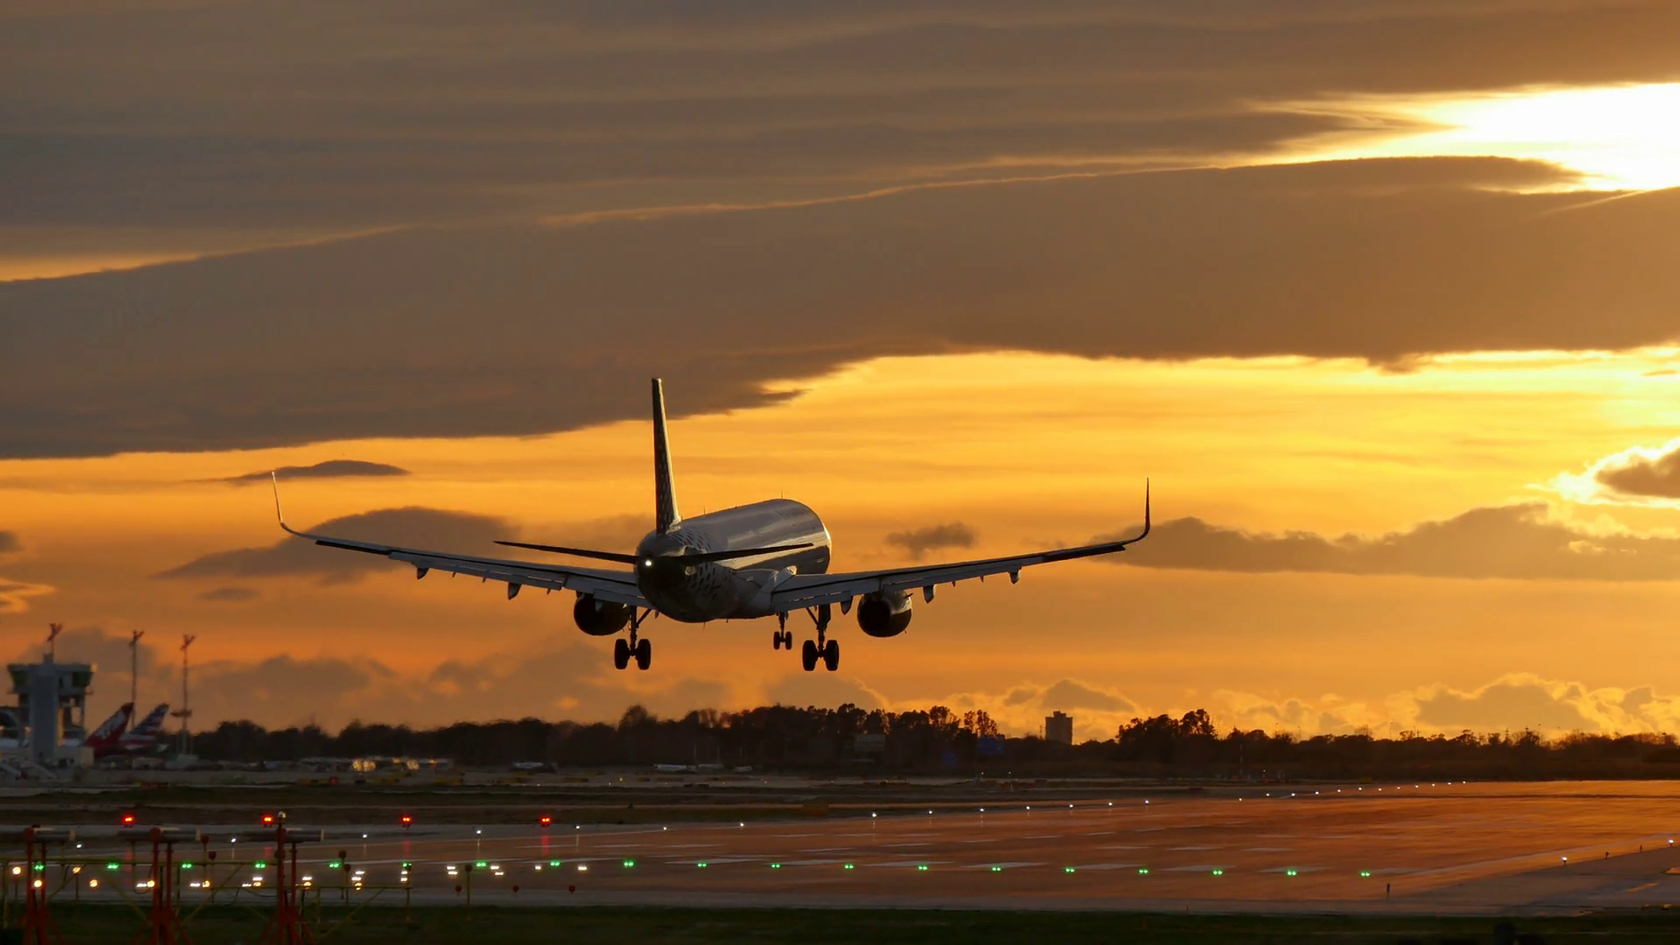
53	630
185	711
134	670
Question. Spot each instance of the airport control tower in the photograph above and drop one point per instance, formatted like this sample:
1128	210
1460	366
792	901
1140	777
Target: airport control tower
52	705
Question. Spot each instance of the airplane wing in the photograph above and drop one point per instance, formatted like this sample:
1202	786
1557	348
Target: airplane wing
616	586
812	590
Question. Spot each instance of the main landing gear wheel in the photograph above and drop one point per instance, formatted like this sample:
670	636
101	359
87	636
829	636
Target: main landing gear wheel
808	656
780	639
831	655
644	654
621	653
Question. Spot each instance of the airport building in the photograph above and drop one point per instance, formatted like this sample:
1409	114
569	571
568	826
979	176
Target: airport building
50	720
1058	728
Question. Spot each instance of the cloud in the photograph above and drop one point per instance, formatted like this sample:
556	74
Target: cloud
9	543
1322	260
411	527
330	469
1540	706
827	689
347	121
232	595
920	541
1068	695
1520	542
1639	475
14	595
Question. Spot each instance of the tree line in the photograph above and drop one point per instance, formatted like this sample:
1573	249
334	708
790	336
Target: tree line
939	740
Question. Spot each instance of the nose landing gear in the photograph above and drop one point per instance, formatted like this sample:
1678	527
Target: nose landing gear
640	650
782	637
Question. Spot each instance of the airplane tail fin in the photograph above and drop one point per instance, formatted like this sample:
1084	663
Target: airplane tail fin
664	493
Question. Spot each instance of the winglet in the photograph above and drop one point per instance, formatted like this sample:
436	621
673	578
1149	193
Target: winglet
1145	507
278	515
666	515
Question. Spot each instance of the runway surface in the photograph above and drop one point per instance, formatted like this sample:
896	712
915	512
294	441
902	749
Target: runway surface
1436	848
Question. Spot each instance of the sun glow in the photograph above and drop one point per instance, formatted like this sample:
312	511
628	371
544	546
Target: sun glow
1616	137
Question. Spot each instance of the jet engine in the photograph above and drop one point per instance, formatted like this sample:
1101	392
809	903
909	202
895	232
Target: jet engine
884	613
600	618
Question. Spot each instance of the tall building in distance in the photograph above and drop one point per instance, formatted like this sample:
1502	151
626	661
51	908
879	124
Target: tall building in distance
1058	728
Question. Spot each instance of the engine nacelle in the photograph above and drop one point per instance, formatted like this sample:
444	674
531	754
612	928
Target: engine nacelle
884	613
600	618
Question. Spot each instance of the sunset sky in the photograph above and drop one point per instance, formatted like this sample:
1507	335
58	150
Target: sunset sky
1382	295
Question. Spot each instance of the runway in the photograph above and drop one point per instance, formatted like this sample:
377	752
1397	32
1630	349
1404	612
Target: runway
1435	848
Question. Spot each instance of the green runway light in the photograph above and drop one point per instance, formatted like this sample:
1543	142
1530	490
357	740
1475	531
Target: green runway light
408	866
113	866
335	864
629	863
40	866
1289	872
921	867
775	866
700	866
481	864
1219	872
263	864
555	863
1143	871
185	866
1365	873
1067	869
850	866
997	869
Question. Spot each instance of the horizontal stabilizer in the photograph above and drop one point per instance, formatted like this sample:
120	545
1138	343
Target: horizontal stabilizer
707	556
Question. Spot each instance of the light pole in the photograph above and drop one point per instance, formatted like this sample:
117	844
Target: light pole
185	711
134	671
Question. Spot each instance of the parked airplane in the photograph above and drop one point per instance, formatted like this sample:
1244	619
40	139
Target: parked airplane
105	738
142	738
760	560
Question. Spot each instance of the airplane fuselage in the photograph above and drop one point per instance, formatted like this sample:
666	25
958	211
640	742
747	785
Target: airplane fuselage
739	587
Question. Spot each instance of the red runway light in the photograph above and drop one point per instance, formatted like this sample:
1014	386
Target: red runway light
406	820
545	820
128	820
268	820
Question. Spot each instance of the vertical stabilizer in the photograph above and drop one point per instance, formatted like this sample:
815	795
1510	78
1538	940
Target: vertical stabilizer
664	493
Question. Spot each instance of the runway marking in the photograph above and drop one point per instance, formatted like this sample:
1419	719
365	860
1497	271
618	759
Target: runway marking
1193	869
1638	888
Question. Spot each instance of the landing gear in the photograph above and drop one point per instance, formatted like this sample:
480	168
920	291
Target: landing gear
780	639
640	650
821	648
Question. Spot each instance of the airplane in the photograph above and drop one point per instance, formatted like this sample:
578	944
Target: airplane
105	738
143	737
767	559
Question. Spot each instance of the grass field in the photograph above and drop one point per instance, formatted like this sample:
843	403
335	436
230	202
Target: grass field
488	926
